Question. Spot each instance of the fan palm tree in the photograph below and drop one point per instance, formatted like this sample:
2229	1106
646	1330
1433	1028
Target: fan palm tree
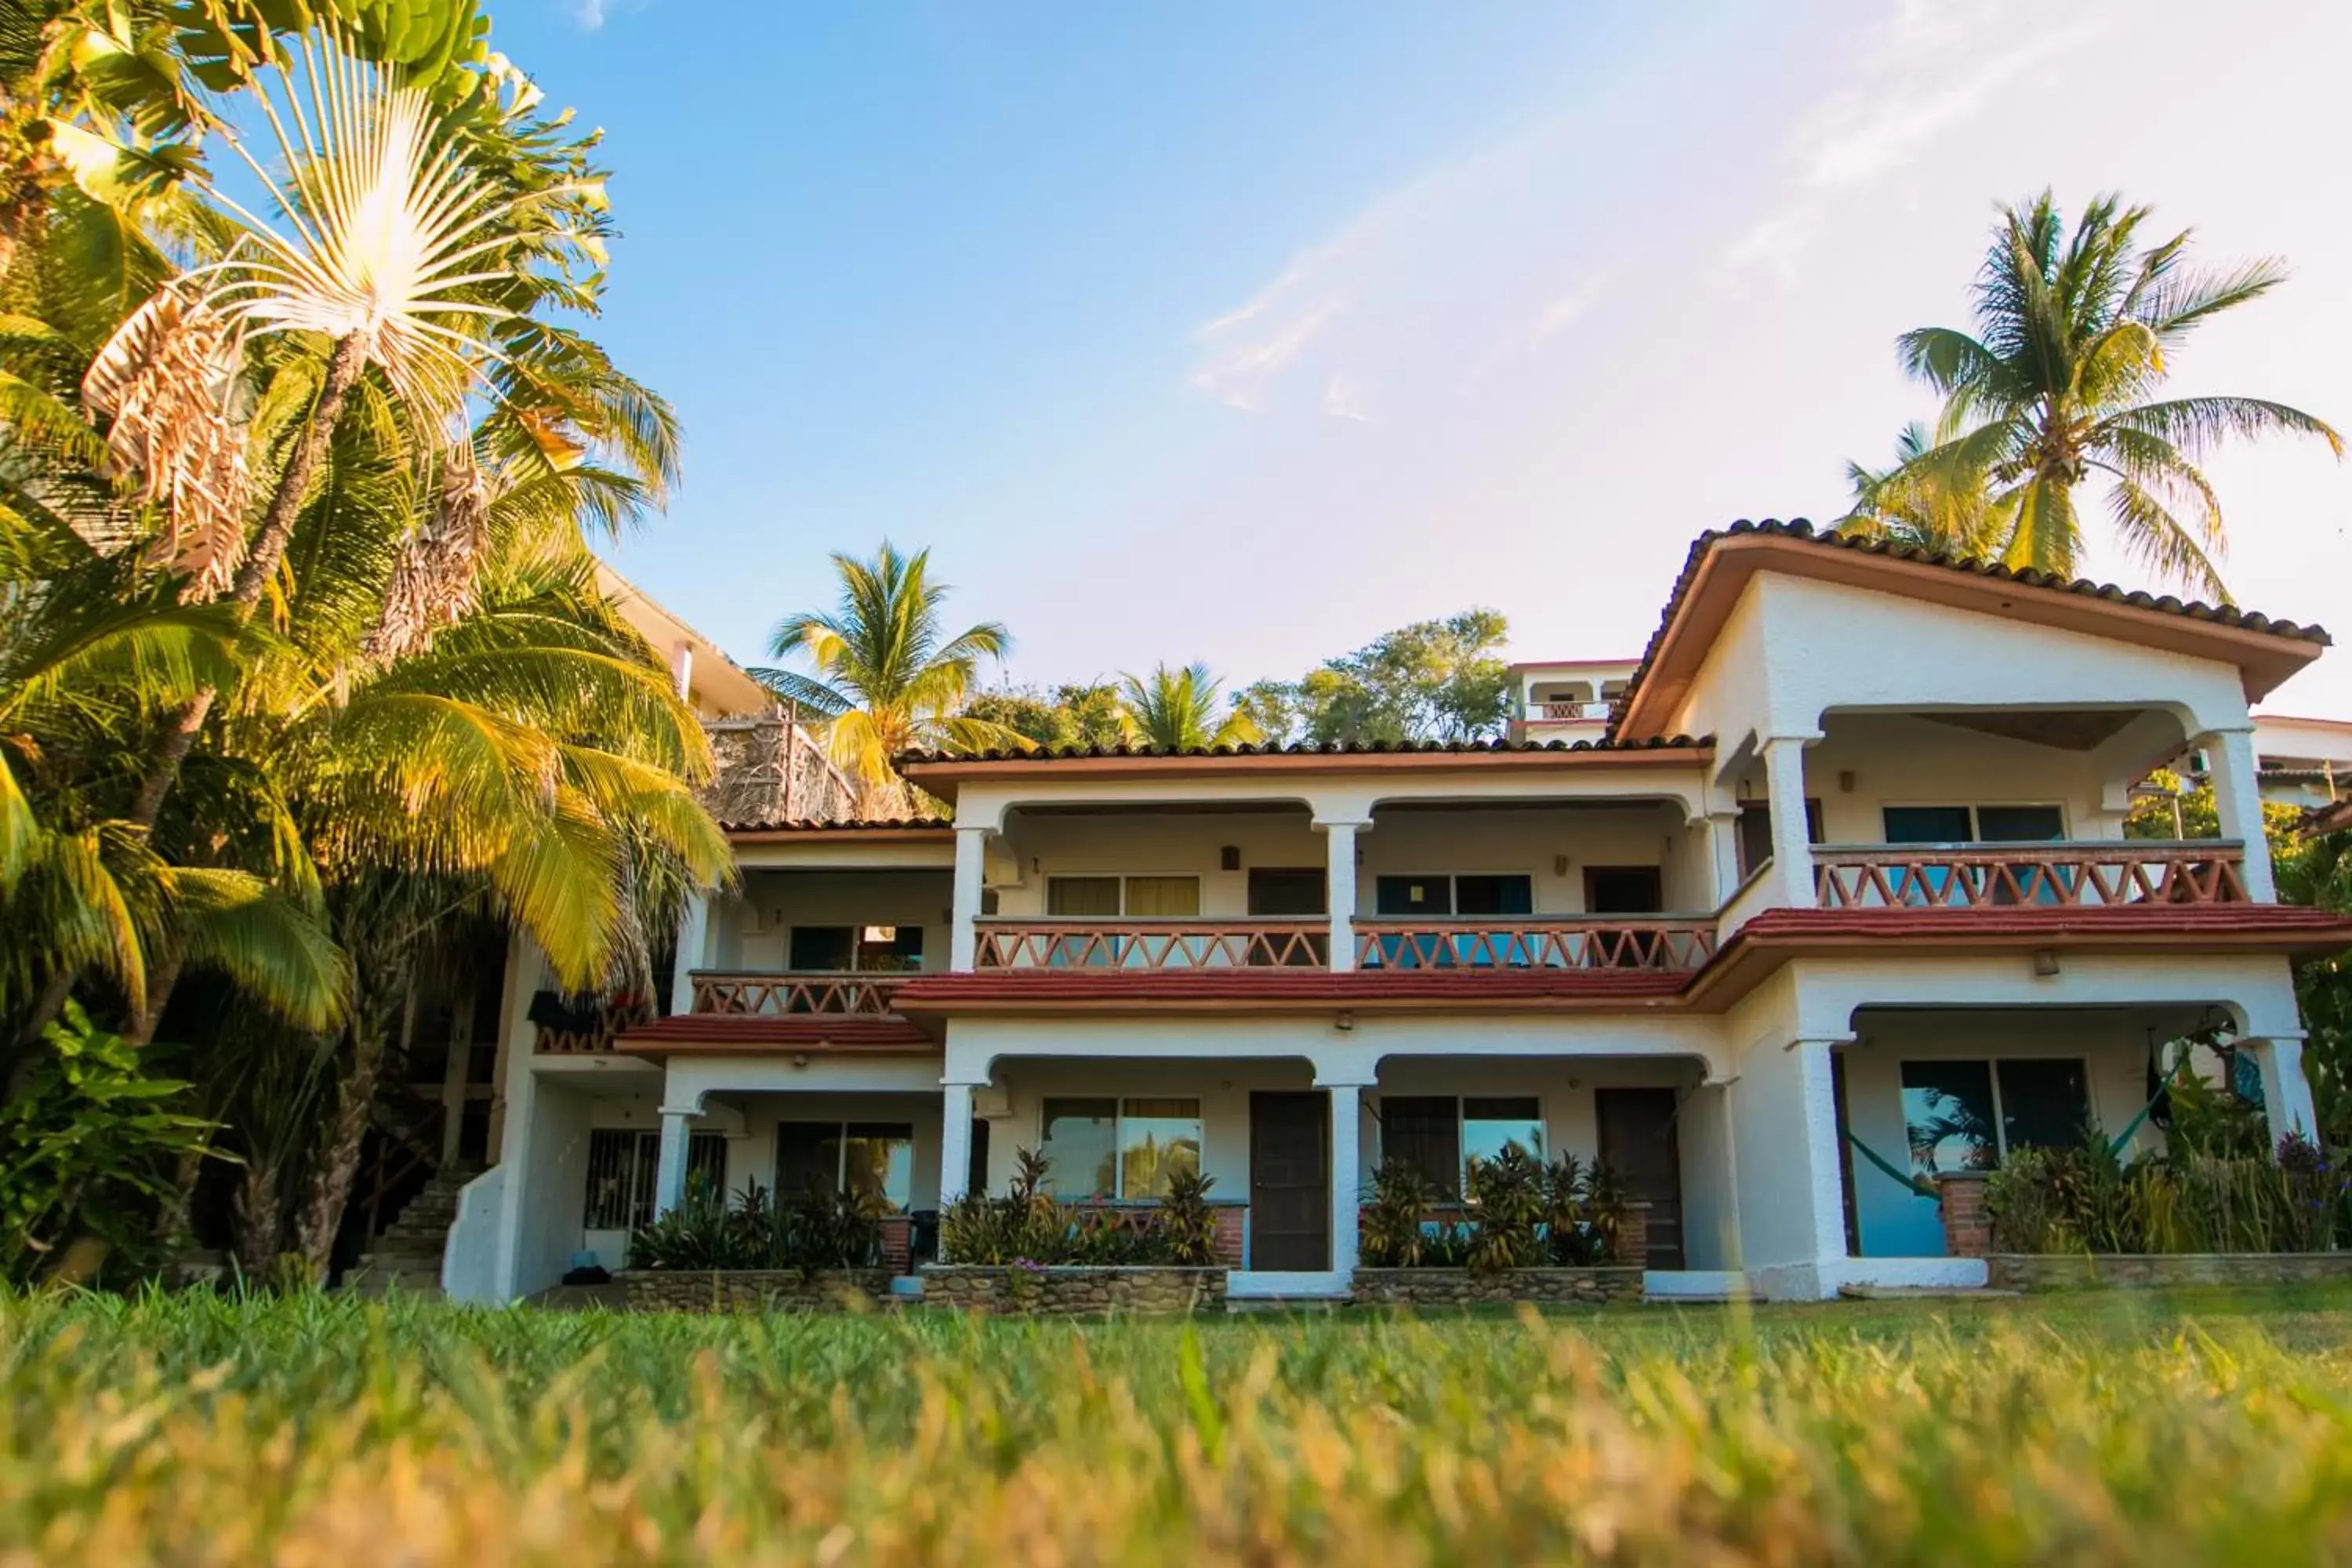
1176	711
2056	388
887	679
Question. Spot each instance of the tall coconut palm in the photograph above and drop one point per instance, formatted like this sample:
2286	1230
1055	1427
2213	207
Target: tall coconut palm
1177	710
887	679
2056	388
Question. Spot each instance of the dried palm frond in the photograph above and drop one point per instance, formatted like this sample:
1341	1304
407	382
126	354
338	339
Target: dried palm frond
168	380
435	581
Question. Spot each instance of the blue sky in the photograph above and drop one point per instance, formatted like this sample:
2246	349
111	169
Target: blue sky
1245	331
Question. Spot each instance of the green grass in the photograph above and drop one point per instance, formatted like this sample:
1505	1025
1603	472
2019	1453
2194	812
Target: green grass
2214	1426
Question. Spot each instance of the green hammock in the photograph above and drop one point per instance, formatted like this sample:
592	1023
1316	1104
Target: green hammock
1918	1186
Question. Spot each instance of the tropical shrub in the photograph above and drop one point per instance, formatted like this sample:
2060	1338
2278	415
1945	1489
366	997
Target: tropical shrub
1390	1234
88	1151
1518	1212
842	1230
1028	1225
2085	1199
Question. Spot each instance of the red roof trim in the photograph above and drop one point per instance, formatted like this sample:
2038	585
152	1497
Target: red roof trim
701	1033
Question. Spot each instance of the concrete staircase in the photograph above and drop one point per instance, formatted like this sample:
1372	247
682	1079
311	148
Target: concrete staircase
406	1256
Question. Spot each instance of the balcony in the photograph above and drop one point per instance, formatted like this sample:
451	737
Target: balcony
1257	941
1572	712
794	994
1658	943
2103	875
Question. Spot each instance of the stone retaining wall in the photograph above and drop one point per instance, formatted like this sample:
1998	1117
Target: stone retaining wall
1460	1287
2159	1272
1068	1292
753	1289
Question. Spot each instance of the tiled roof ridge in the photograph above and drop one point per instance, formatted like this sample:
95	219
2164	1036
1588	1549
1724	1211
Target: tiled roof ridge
1312	749
2024	576
835	824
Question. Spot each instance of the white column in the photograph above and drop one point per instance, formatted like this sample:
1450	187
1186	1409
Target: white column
1723	843
1347	1177
693	952
970	871
669	1171
1340	847
2286	1093
681	669
2238	802
1792	851
955	1142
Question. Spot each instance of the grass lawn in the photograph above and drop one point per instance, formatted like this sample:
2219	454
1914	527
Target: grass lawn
2212	1427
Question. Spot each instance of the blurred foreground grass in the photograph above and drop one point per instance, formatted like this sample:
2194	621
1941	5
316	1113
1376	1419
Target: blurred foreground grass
2215	1427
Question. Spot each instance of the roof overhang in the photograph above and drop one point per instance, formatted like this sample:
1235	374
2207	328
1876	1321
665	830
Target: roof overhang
720	1033
1727	563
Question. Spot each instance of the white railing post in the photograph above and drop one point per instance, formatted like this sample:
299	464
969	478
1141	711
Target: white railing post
1339	847
2238	803
971	873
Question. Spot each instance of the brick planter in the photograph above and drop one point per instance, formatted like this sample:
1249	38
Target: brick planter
1967	1223
753	1289
2159	1270
1073	1292
1460	1287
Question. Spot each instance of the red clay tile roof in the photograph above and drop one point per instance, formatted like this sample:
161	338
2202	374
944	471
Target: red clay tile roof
1305	749
817	1035
811	825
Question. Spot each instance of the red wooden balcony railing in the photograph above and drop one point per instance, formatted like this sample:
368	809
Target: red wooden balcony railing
1536	942
1250	943
865	994
2105	874
1560	712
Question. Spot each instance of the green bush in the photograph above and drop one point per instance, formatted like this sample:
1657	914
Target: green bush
1518	1212
705	1231
2085	1199
1029	1226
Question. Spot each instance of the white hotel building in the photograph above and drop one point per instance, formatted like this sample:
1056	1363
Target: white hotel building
1849	834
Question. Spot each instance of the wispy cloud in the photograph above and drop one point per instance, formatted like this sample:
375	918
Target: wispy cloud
592	14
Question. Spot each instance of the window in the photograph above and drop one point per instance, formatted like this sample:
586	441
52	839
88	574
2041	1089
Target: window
1439	1135
837	947
1968	1115
622	1166
1973	823
1105	1148
819	1159
1441	893
1623	890
1133	897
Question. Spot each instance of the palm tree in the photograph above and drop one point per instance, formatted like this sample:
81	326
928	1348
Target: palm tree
2055	389
887	680
1925	505
1176	711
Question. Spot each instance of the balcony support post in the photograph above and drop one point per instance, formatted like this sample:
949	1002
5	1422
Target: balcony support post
1347	1175
971	873
1792	846
2286	1093
2238	802
669	1168
955	1142
693	952
1340	847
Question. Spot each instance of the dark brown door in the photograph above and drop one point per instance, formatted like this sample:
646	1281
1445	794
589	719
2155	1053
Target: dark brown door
1290	1181
1287	890
1637	1140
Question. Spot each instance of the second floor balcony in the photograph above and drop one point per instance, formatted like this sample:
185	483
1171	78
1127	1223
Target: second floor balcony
1467	943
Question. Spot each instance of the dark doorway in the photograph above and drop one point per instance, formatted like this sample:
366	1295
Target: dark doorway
1637	1140
1290	1181
976	1178
1623	890
1288	889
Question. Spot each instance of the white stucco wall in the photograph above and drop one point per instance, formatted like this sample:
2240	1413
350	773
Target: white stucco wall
775	902
1710	1200
1902	760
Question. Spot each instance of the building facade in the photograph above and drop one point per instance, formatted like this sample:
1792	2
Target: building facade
1838	876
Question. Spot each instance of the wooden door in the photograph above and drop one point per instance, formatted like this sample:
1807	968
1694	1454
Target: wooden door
1290	1181
1637	1140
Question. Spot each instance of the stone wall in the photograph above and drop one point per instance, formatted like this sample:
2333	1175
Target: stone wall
1460	1287
2159	1272
1066	1291
753	1289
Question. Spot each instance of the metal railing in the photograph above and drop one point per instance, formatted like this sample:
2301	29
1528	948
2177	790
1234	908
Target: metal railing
1250	943
1671	943
849	994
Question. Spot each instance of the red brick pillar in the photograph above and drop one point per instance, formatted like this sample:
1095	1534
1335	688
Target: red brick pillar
1633	1245
1230	1219
1968	1224
898	1242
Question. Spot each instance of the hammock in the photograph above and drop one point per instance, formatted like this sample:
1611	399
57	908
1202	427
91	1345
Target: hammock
1919	1186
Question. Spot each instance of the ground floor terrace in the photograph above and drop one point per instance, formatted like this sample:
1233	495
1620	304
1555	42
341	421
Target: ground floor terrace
1776	1144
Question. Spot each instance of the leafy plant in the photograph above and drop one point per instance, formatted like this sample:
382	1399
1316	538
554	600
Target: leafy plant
88	1150
1392	1234
1185	1223
1584	1210
1027	1227
840	1230
1506	1195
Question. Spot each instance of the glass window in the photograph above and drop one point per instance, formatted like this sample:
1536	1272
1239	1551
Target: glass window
1156	1139
1082	897
808	1159
2043	1104
2020	824
1947	1116
1494	895
1163	898
1079	1142
624	1164
1928	824
823	947
878	1158
1423	1131
890	948
1491	1122
1414	895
